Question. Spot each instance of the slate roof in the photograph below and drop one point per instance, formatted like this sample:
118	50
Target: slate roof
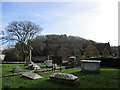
102	46
73	47
78	46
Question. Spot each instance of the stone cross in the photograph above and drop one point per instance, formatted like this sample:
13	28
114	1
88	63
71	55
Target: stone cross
30	53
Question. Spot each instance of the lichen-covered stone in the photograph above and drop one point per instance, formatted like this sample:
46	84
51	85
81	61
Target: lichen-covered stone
16	69
64	78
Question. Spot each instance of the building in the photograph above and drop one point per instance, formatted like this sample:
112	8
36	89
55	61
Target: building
98	49
64	52
80	51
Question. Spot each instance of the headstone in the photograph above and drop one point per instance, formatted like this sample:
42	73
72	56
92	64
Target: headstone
33	66
17	69
72	60
31	75
54	65
2	57
90	66
64	78
48	63
72	57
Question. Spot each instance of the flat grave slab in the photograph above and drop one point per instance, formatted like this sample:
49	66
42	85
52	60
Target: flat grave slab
31	75
48	63
64	78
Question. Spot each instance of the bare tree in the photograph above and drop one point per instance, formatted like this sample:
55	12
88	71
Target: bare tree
22	32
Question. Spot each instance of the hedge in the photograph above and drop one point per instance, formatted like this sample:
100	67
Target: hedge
108	62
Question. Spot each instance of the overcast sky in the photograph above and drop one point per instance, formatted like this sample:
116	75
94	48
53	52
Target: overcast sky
89	19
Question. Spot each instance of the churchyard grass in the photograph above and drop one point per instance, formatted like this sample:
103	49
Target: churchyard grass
7	68
107	78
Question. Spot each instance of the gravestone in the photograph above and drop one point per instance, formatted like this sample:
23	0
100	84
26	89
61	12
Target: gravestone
48	63
55	66
2	57
90	66
31	75
71	62
64	78
16	69
33	66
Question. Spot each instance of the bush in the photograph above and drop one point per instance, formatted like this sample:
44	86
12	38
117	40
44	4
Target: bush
57	59
108	61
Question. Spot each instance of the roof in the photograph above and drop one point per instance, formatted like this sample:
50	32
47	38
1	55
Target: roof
78	46
102	46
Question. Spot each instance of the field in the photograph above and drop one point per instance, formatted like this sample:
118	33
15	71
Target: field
107	78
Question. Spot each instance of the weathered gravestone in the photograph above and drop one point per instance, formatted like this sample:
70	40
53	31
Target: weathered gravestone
55	66
71	62
31	75
33	66
16	69
64	78
48	63
2	57
90	66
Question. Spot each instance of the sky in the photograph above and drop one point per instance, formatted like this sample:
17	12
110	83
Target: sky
89	19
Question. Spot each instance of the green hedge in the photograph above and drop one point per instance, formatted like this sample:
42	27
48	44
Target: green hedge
108	61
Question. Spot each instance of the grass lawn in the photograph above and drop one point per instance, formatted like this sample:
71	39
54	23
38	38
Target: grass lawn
105	79
7	68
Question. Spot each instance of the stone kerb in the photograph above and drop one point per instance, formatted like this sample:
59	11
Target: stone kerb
64	78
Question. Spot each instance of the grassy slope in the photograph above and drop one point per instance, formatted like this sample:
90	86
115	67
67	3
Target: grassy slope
106	79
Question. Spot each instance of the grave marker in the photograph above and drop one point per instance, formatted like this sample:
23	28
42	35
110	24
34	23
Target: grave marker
90	66
33	66
17	69
64	78
31	75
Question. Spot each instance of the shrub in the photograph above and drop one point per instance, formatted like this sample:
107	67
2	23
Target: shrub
108	61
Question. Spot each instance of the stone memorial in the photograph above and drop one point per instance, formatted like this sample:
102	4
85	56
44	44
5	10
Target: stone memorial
31	75
16	69
71	62
2	57
48	63
65	78
33	67
55	65
90	66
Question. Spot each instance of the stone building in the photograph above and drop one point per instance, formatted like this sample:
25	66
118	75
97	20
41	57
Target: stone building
90	51
80	51
64	52
104	49
98	49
